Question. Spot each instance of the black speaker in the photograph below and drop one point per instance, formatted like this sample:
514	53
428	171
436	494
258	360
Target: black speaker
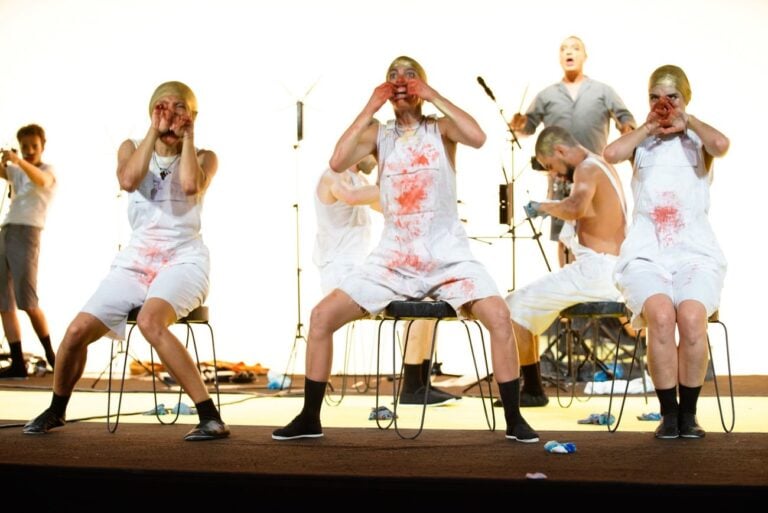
503	204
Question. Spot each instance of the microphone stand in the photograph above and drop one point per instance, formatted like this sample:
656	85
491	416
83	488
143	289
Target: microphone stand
299	325
507	195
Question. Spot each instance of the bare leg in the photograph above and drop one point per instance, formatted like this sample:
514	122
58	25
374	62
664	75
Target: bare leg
494	314
11	326
527	344
153	321
73	351
419	342
330	314
692	351
659	314
39	323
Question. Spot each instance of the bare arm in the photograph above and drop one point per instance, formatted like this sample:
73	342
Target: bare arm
457	125
359	140
351	195
714	141
133	162
623	148
196	169
577	204
36	175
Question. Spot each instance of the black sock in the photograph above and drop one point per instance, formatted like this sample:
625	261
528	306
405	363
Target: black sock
510	399
50	354
206	410
425	372
412	377
314	392
59	404
532	379
668	400
17	356
689	396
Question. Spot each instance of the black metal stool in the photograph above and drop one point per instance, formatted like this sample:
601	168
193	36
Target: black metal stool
438	311
198	316
593	312
713	319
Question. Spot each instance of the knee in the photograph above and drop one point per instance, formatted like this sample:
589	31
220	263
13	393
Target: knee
321	322
150	326
661	319
692	325
498	323
77	336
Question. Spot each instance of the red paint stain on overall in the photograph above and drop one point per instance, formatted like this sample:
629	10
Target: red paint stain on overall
412	192
667	221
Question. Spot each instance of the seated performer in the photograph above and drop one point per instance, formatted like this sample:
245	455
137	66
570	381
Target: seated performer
343	241
424	251
671	268
594	212
164	268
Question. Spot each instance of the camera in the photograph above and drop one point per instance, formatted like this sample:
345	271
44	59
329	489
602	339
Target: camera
536	165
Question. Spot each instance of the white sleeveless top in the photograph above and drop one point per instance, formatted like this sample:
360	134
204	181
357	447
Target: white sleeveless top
343	230
165	222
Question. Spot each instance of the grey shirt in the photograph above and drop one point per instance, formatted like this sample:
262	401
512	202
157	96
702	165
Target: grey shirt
587	118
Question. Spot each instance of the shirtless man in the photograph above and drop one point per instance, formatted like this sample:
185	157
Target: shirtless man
595	215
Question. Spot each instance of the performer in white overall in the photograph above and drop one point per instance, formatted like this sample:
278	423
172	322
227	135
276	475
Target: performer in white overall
595	226
671	268
165	266
343	237
424	250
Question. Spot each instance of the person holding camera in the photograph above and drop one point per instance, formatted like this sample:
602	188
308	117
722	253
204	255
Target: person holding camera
32	186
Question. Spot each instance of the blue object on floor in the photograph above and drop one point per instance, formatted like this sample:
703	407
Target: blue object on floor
555	447
598	418
184	409
159	410
649	416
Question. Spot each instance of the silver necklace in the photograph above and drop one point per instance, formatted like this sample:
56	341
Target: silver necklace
408	129
165	171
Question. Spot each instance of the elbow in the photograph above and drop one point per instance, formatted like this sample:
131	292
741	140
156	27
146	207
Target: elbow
337	164
477	140
721	146
127	185
611	155
190	188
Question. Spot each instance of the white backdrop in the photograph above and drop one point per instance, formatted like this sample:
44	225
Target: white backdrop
85	69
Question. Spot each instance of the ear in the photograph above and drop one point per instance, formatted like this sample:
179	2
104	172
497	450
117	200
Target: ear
559	150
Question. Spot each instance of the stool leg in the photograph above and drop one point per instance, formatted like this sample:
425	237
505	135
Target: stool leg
567	334
378	377
489	420
729	428
112	428
626	388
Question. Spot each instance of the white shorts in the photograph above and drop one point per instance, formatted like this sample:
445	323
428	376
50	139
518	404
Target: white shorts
333	273
183	286
589	278
696	277
457	284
